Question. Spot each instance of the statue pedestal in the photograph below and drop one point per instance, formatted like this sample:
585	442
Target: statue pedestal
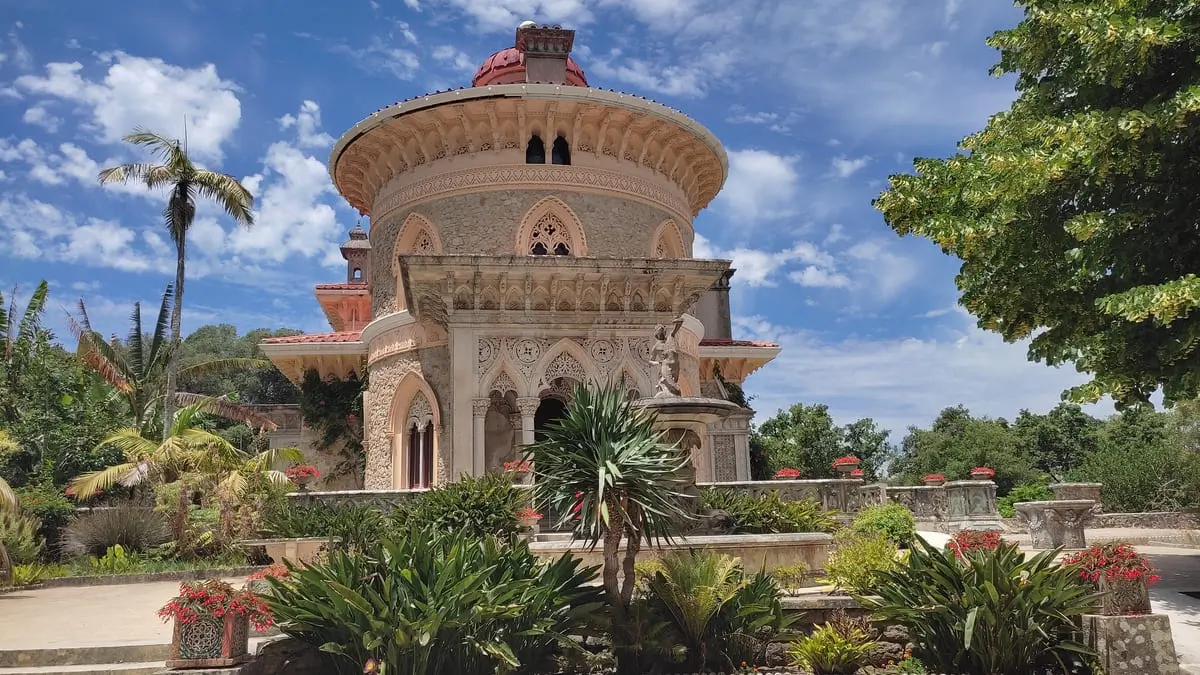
1057	522
1132	645
685	420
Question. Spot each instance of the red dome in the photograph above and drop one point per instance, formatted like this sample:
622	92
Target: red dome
507	66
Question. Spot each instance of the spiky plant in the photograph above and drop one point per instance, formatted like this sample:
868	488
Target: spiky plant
185	181
605	456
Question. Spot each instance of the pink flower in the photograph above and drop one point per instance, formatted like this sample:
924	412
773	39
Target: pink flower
848	460
787	473
983	471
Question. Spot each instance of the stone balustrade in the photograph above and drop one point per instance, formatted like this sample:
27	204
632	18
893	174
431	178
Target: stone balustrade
833	494
1079	491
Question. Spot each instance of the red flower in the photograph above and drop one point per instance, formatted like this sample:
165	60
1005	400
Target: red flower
217	599
848	460
983	471
276	571
857	473
1113	562
787	473
518	466
934	477
300	471
965	541
528	514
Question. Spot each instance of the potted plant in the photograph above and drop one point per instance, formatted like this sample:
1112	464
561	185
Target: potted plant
857	473
257	581
302	474
982	473
934	479
787	473
846	464
518	468
212	624
528	518
1121	574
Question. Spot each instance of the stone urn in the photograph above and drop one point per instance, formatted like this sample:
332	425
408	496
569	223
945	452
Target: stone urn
982	473
1122	597
210	642
934	480
846	465
300	551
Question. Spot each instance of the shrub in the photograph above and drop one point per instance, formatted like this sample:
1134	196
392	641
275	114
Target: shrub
50	507
32	573
480	505
770	514
19	534
115	561
136	530
966	541
716	616
839	647
355	525
1035	492
859	558
438	602
894	521
791	577
993	612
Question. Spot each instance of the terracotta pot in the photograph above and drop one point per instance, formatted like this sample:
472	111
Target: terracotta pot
981	475
1123	596
935	483
210	643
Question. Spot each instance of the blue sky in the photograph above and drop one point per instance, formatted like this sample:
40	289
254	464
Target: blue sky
816	101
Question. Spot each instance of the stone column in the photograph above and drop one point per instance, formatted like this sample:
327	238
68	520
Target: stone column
528	407
479	408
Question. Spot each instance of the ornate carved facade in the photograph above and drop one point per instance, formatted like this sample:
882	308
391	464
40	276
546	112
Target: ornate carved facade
526	237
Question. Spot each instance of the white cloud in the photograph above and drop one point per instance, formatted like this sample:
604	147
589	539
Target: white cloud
17	52
888	271
406	31
758	268
308	124
906	380
454	58
817	277
70	164
39	116
137	91
689	79
844	167
504	15
379	56
761	185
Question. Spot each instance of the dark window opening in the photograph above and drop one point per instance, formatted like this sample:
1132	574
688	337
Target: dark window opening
561	249
561	152
538	249
535	151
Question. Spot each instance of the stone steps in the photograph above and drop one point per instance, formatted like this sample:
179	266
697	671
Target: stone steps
129	659
141	668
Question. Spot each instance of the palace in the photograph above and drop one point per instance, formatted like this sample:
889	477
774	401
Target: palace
527	234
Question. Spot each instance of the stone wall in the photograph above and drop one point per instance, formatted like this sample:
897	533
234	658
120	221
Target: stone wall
836	494
433	366
291	432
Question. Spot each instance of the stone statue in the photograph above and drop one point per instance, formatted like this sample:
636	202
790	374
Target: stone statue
665	355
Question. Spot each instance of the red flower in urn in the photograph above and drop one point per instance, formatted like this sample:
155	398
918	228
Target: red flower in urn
302	473
216	599
518	466
965	541
1113	562
857	473
787	473
846	464
983	472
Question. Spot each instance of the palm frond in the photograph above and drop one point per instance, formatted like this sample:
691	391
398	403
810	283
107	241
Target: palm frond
228	192
98	354
136	172
169	150
8	499
178	215
6	328
223	366
227	409
86	486
274	457
130	442
162	326
31	319
135	339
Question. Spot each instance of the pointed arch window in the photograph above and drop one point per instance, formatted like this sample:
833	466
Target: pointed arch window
535	150
550	236
560	152
419	439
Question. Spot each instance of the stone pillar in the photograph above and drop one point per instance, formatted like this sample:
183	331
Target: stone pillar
528	407
971	505
479	408
1132	645
1056	523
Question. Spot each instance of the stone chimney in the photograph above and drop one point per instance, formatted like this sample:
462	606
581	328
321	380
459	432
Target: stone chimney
546	50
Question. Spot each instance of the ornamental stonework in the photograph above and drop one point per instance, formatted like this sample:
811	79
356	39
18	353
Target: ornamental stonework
404	339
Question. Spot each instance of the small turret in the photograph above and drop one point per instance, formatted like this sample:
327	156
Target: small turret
357	252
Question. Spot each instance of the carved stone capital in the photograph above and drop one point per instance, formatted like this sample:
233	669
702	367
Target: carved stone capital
479	406
528	405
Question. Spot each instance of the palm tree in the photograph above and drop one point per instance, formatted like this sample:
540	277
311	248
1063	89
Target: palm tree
605	457
186	181
17	340
137	369
8	500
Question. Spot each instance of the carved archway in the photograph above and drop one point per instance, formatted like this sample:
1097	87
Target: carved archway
550	227
667	242
418	236
414	425
565	359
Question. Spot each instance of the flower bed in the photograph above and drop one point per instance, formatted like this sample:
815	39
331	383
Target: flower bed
965	541
1120	573
787	473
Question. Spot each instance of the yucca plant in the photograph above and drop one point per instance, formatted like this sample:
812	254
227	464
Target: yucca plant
435	602
605	457
995	612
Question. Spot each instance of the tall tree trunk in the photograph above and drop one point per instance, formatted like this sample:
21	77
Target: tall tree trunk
176	340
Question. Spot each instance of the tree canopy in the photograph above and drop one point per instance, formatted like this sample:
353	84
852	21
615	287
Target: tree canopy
805	437
1075	211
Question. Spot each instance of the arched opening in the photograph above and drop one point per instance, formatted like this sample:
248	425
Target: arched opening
549	410
535	151
357	274
560	152
420	455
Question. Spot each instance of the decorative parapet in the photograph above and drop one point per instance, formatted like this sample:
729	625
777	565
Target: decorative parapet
971	505
925	501
833	494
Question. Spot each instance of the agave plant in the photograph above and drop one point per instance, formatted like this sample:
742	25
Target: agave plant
994	612
604	461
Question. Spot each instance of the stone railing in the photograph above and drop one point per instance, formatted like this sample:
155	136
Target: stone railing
384	499
833	494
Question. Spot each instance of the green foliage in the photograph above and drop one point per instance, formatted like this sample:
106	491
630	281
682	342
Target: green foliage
805	437
894	521
717	617
220	342
114	561
52	509
1022	493
33	573
791	577
134	529
769	513
479	505
859	559
355	525
994	612
439	602
834	648
19	535
1059	440
1073	211
333	408
958	442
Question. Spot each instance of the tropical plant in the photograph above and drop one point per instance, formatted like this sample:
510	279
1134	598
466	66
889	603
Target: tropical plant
791	577
838	647
769	513
605	456
17	338
134	529
438	602
480	505
137	369
19	535
355	526
858	560
216	599
994	611
32	573
1034	492
185	181
895	521
333	408
8	499
717	616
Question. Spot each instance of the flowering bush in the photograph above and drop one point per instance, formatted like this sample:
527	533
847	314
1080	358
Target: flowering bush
983	471
787	473
857	473
528	514
518	466
275	571
217	599
965	541
301	471
848	460
1113	562
934	477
